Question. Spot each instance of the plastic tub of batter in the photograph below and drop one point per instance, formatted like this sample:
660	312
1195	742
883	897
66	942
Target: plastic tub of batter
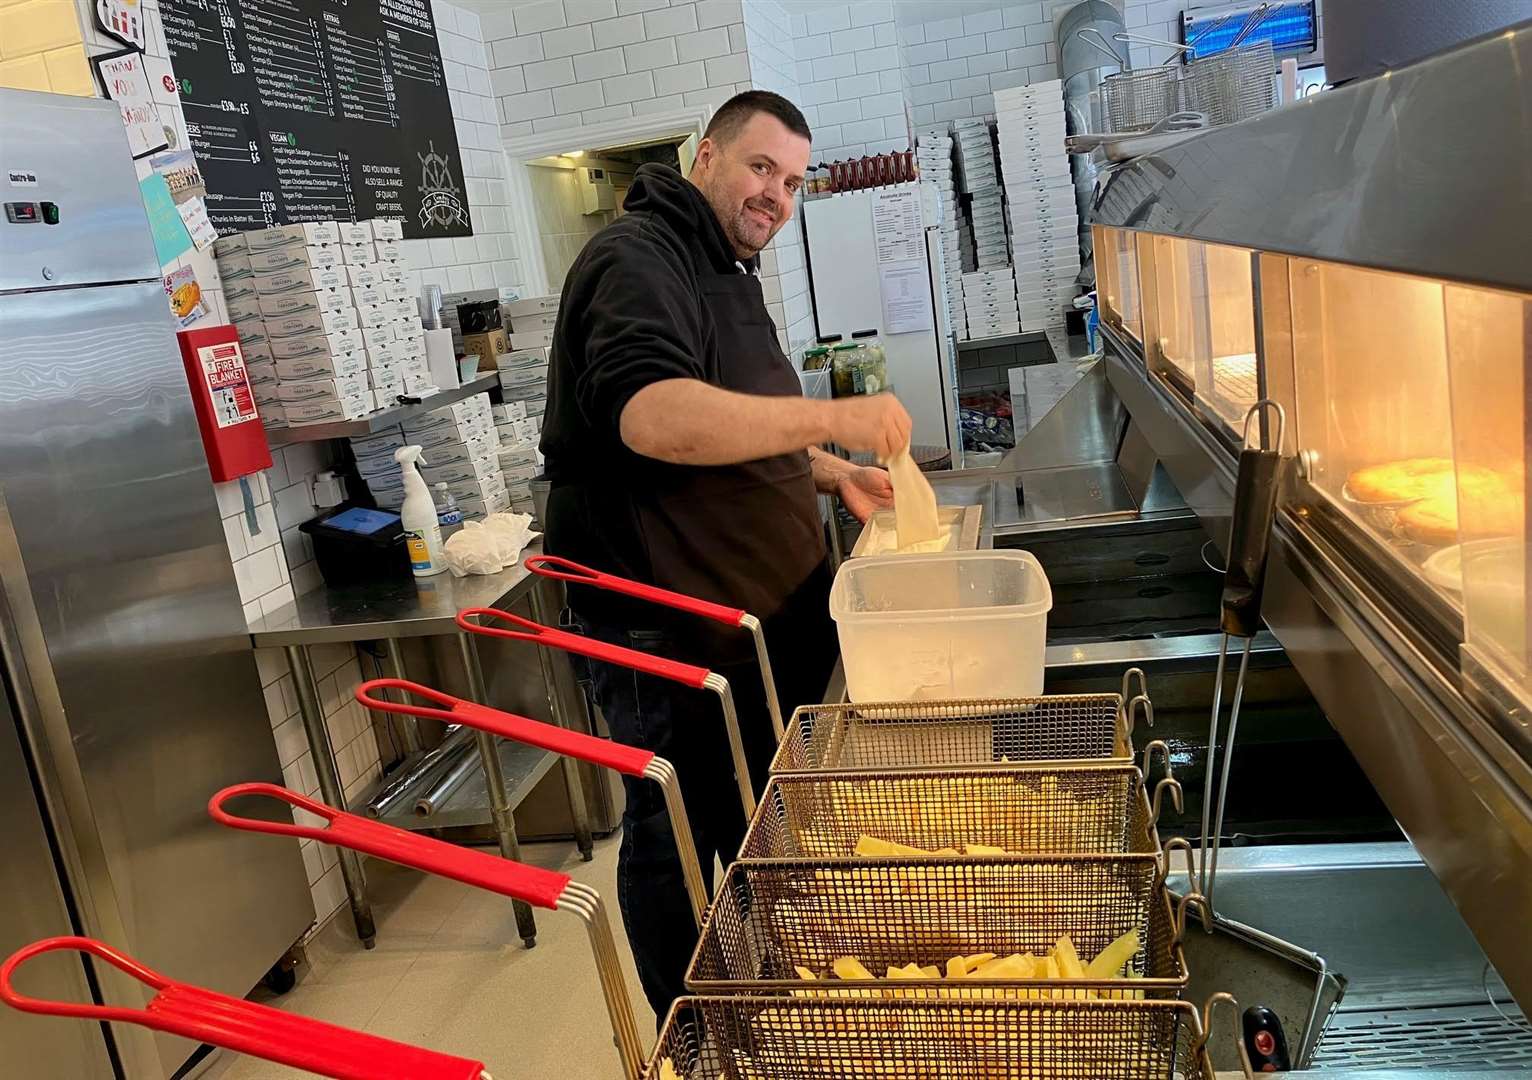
962	624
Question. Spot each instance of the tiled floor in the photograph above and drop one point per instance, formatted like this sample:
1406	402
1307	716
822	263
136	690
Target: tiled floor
450	973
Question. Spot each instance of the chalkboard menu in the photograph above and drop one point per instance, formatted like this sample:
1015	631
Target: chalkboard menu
306	110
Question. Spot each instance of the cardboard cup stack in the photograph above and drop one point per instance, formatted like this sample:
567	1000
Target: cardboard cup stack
524	388
327	323
1040	195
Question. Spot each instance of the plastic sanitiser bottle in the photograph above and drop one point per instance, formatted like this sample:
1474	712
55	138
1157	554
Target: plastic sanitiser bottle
422	533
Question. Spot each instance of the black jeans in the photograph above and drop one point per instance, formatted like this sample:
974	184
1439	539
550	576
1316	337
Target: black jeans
686	727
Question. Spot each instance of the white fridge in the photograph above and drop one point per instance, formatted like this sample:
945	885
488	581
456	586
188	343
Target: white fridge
876	263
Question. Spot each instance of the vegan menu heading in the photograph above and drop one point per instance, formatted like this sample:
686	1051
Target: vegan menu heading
307	110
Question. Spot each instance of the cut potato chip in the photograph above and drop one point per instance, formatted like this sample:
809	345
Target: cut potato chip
849	967
1110	960
983	849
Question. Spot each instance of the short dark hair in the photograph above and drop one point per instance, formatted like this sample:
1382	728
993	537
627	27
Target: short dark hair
737	111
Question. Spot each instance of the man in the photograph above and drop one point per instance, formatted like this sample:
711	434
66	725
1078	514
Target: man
681	452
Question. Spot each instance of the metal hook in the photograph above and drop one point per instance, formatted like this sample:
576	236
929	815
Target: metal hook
1171	784
1127	682
1201	1042
1133	711
1185	902
1149	749
1175	843
1256	410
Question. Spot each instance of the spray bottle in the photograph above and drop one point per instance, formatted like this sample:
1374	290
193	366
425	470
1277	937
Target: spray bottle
422	533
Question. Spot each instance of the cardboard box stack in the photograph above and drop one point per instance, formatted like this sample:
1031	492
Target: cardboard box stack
989	299
460	450
328	326
987	311
1040	194
524	389
933	153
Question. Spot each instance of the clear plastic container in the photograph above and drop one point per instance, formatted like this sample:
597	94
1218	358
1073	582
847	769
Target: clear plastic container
969	624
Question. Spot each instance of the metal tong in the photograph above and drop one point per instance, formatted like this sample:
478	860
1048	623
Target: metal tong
1255	501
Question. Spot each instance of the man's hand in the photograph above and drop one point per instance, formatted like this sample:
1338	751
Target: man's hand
864	490
875	422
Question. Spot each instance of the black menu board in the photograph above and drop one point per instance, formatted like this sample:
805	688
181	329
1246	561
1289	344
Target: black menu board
307	110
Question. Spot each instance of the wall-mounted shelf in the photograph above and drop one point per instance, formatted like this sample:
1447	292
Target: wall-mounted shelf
384	418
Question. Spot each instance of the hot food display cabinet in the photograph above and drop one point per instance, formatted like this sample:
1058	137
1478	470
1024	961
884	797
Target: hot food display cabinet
1360	258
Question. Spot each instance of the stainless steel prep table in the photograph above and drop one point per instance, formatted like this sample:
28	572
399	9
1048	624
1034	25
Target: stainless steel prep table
386	611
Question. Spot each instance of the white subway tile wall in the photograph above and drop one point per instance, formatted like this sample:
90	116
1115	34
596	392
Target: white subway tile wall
613	59
954	66
784	275
852	85
338	670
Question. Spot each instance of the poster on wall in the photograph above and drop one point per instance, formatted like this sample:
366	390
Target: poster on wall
184	292
125	81
310	110
123	20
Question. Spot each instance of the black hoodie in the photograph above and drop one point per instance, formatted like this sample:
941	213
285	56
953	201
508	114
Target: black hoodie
659	294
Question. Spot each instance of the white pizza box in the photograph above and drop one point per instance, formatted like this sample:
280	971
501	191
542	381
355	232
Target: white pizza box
320	389
531	305
309	322
288	258
332	366
315	345
301	234
298	303
386	228
363	254
329	410
300	279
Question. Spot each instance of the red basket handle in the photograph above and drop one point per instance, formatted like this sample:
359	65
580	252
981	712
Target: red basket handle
552	566
612	755
245	1027
538	634
538	887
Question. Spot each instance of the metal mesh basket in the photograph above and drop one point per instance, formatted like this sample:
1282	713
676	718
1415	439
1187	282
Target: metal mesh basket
1022	809
915	734
1137	100
1232	86
772	917
784	1039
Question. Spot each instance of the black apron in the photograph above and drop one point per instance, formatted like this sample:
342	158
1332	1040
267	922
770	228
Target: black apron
747	535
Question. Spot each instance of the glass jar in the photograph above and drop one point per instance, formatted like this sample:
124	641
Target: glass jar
815	357
874	361
847	369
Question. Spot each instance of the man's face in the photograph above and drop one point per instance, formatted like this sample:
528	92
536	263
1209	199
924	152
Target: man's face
750	181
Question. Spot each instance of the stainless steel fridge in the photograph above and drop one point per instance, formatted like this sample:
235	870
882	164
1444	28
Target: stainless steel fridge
128	689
